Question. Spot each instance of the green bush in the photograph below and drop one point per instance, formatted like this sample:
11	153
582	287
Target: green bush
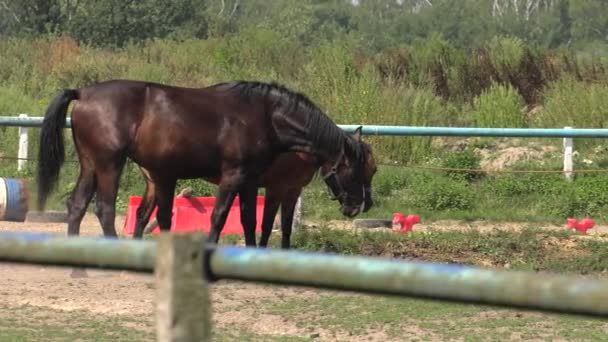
466	159
499	106
199	186
586	196
441	194
568	102
513	185
506	54
389	179
406	106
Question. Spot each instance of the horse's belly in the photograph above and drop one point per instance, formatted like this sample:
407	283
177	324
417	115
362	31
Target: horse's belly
181	164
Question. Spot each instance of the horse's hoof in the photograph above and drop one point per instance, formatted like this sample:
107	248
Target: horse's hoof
79	273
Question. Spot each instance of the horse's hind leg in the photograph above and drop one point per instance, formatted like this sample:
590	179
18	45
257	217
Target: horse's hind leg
228	188
165	192
287	210
144	211
77	205
80	198
247	198
107	189
271	207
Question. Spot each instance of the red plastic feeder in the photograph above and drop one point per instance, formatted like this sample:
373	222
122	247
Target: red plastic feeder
580	226
404	224
194	214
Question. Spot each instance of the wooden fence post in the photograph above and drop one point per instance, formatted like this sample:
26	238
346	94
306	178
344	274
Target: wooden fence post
183	307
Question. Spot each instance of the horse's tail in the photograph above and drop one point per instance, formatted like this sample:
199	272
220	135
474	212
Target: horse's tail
51	152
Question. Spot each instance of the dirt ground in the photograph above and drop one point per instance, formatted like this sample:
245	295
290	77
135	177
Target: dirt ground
115	293
125	293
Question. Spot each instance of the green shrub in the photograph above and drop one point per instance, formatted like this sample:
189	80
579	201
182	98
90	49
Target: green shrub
199	186
506	54
441	194
406	106
499	106
466	159
513	185
433	58
568	102
389	179
586	196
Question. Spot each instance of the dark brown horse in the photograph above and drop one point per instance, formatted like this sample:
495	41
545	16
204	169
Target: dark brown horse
229	132
282	190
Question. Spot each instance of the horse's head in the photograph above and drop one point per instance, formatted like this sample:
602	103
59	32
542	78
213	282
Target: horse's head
349	178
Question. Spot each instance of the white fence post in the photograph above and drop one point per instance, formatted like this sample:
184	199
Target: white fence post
297	214
23	144
568	150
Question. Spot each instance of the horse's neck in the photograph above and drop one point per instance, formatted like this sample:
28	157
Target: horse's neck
298	138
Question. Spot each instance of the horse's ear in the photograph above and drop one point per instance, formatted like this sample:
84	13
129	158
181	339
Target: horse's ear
357	134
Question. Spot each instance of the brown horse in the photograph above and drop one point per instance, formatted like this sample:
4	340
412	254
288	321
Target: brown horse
229	132
282	189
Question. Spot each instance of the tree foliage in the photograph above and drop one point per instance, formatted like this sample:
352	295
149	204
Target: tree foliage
376	23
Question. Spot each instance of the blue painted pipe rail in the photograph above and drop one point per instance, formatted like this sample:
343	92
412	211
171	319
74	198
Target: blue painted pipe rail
32	121
96	252
459	283
380	130
479	132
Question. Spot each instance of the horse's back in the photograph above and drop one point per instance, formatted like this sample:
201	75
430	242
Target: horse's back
194	129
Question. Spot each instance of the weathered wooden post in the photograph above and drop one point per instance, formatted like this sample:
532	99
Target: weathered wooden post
183	307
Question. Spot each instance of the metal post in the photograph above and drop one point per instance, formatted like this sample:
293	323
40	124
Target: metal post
568	151
23	144
183	309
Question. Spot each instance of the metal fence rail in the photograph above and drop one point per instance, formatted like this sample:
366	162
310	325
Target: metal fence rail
546	292
42	248
539	291
24	121
382	130
479	132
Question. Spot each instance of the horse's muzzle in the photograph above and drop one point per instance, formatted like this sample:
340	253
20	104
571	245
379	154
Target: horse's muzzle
351	212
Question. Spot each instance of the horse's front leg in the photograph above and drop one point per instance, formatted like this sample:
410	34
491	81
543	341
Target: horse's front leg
247	197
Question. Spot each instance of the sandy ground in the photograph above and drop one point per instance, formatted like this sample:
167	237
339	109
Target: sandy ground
111	293
125	293
54	288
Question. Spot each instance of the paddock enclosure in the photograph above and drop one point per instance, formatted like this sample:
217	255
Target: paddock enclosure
167	297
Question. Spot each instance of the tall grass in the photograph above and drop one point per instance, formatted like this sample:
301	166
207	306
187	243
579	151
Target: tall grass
429	83
499	106
569	102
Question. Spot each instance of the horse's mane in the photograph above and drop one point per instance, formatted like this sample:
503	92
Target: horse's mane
322	131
